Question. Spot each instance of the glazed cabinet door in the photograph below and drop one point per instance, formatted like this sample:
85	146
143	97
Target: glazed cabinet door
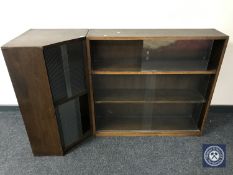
66	68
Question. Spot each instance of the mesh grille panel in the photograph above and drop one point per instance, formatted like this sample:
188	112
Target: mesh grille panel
69	119
83	101
65	67
76	66
53	61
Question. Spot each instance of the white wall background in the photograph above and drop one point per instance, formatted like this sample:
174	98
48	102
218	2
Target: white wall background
18	16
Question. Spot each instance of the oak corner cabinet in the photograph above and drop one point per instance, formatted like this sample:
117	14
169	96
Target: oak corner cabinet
74	83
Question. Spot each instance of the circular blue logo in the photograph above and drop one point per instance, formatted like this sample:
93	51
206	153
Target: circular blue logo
214	156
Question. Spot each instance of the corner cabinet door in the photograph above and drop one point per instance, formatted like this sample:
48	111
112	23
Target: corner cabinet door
66	68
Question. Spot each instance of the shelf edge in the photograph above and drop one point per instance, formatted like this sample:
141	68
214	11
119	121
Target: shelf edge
150	102
105	133
96	72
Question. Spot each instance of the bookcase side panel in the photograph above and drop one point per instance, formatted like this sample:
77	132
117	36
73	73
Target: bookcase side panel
29	78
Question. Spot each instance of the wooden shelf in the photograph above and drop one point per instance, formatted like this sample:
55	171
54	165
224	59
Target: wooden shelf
129	133
158	123
108	71
148	96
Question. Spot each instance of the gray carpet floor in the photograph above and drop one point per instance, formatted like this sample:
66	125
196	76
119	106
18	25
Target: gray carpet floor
117	155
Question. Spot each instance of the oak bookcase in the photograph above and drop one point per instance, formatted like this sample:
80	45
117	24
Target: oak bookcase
74	83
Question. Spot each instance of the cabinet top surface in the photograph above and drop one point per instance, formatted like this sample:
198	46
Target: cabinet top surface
43	37
157	33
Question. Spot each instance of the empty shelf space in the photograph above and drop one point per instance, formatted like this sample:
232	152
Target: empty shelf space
173	64
162	123
147	96
153	64
152	55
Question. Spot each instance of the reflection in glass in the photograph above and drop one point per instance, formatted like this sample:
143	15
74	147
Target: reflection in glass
151	55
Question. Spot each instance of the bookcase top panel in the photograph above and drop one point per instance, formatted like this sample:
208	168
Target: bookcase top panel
157	33
43	37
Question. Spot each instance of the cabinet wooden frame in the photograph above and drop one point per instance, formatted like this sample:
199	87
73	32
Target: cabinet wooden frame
118	35
25	60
